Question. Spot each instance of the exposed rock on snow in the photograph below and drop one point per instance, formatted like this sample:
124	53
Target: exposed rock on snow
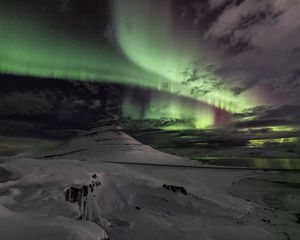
80	195
175	189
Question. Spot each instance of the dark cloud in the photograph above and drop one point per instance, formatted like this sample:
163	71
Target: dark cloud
266	123
248	43
288	115
45	107
259	38
64	5
23	103
217	3
288	112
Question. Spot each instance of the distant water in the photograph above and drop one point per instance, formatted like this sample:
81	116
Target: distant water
253	162
214	154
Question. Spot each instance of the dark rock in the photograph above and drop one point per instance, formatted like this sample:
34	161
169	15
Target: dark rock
266	220
174	189
94	175
91	187
73	194
85	190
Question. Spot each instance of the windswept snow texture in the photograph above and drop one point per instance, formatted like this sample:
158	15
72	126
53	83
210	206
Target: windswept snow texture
75	192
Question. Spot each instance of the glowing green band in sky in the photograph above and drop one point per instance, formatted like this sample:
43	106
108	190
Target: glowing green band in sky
28	49
151	53
200	116
147	36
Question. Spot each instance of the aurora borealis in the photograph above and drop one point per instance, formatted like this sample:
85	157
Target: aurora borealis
166	46
149	49
149	119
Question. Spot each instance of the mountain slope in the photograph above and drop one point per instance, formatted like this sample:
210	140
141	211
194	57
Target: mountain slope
84	179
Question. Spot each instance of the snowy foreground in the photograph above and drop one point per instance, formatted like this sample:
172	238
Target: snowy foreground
77	192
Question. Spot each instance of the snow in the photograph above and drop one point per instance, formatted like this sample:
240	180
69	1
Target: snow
131	202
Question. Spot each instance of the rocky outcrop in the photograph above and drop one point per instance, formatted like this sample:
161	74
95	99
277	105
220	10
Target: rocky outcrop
80	194
182	190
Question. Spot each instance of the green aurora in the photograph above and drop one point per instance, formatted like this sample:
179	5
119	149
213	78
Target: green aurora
148	50
147	35
168	106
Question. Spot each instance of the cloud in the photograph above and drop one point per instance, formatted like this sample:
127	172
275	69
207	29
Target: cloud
260	39
285	116
23	103
64	5
216	3
288	112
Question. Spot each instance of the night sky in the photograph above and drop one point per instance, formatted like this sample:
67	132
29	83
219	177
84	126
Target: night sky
211	65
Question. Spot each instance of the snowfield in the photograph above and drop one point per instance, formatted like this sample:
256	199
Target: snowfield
82	190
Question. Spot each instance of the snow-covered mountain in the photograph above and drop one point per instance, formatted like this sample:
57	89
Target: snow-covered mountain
82	190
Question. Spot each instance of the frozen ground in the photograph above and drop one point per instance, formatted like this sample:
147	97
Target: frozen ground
82	190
